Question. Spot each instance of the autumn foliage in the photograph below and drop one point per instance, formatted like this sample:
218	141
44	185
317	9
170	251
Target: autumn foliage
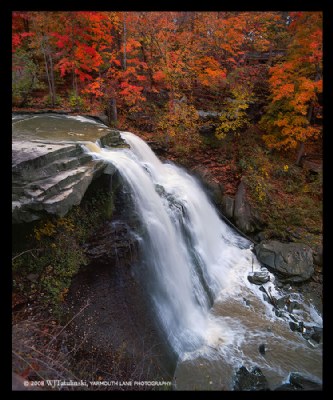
187	60
294	111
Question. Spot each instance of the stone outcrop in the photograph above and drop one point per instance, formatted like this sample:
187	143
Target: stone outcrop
228	206
244	216
114	241
292	262
50	177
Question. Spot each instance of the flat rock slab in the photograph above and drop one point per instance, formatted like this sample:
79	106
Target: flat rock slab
49	178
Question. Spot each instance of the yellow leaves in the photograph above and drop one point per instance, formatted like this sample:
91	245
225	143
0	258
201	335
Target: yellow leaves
285	168
234	116
49	228
181	119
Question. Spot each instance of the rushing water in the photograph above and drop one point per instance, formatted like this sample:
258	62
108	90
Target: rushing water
195	269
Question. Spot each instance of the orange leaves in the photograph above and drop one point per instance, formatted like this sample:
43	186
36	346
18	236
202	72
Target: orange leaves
209	71
295	85
159	76
95	88
285	90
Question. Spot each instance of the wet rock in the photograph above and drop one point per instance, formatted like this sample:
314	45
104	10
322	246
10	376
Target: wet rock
247	302
293	305
265	297
114	241
292	262
313	333
228	205
279	313
299	382
282	301
259	277
302	383
113	139
293	326
250	380
317	334
262	349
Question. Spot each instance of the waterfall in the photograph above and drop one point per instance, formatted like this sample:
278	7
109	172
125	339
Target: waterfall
188	251
195	268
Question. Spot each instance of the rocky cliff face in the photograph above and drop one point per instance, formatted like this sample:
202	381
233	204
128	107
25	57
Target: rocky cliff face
50	177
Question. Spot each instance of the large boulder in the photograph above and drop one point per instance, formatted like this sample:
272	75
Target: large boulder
292	262
244	216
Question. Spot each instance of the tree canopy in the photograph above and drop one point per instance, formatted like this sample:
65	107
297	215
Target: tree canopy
226	62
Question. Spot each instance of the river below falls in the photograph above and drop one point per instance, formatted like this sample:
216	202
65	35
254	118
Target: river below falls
195	270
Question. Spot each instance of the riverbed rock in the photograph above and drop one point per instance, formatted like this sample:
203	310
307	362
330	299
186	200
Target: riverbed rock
259	277
250	380
244	216
292	262
302	383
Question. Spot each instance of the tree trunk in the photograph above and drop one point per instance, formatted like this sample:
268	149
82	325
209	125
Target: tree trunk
300	153
112	112
52	81
47	72
125	43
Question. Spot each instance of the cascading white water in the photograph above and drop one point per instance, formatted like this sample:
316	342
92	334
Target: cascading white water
193	261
